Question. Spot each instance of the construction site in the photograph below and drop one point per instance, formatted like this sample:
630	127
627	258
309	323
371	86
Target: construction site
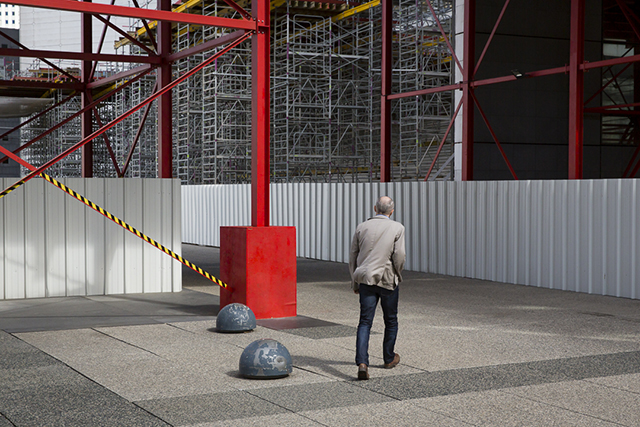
325	99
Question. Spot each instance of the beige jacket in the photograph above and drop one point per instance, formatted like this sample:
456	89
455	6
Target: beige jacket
377	253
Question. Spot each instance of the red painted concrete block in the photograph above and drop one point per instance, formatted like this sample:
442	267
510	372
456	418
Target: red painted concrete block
259	265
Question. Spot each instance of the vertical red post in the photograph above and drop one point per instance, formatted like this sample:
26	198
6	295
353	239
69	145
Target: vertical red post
259	262
385	110
86	44
469	46
576	89
165	137
260	47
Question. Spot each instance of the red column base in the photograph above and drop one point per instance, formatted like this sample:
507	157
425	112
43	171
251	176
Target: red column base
259	265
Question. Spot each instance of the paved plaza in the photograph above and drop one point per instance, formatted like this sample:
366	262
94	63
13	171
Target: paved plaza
473	353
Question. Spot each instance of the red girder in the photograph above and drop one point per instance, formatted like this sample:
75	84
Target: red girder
132	12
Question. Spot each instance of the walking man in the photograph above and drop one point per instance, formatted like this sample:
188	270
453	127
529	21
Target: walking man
376	262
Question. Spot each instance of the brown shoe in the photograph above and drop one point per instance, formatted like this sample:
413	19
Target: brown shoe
363	372
394	362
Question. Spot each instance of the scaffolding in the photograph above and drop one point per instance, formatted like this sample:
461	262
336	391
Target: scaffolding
325	100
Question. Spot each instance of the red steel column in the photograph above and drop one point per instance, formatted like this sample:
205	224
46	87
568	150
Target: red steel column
576	89
85	98
260	48
469	46
165	137
385	110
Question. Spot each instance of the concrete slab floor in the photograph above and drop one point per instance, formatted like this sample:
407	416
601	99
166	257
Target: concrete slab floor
473	353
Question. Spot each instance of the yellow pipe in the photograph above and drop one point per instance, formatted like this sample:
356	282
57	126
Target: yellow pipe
354	10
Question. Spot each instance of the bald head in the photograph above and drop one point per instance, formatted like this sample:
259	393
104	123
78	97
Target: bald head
384	206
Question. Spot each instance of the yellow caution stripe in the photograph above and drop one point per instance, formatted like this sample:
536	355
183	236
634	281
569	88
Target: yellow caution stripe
10	189
124	225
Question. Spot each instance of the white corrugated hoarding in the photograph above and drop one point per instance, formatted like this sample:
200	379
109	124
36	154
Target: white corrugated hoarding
572	235
54	245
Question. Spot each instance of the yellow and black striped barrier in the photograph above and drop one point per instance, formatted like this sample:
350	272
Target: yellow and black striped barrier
122	224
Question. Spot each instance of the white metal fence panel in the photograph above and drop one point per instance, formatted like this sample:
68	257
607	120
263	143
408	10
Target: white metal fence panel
580	236
53	245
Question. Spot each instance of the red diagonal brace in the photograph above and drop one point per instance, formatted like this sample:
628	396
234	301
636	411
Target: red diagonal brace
493	32
138	133
132	12
146	27
444	138
40	114
493	134
125	35
73	116
17	43
444	34
108	126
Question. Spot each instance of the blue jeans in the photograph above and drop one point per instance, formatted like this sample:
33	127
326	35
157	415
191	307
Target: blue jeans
369	297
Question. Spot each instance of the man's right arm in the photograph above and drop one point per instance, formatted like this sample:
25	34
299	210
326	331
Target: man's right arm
353	260
399	254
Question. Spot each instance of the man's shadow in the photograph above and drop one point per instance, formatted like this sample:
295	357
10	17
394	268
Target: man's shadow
324	366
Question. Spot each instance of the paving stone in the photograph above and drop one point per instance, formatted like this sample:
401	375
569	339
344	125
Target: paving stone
587	398
208	408
401	414
280	420
318	396
496	408
79	405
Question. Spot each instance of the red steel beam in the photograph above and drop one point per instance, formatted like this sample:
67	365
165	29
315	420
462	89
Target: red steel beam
237	8
79	56
165	115
147	29
444	34
41	84
100	44
421	92
260	64
125	34
444	138
613	79
493	32
40	114
495	138
119	76
635	170
52	65
132	12
96	114
137	137
608	62
469	44
74	115
631	162
385	102
86	120
111	124
576	90
211	44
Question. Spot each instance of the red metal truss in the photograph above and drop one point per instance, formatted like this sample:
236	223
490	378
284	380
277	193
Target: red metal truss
114	122
80	56
78	113
575	70
133	12
260	136
24	48
255	25
385	107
